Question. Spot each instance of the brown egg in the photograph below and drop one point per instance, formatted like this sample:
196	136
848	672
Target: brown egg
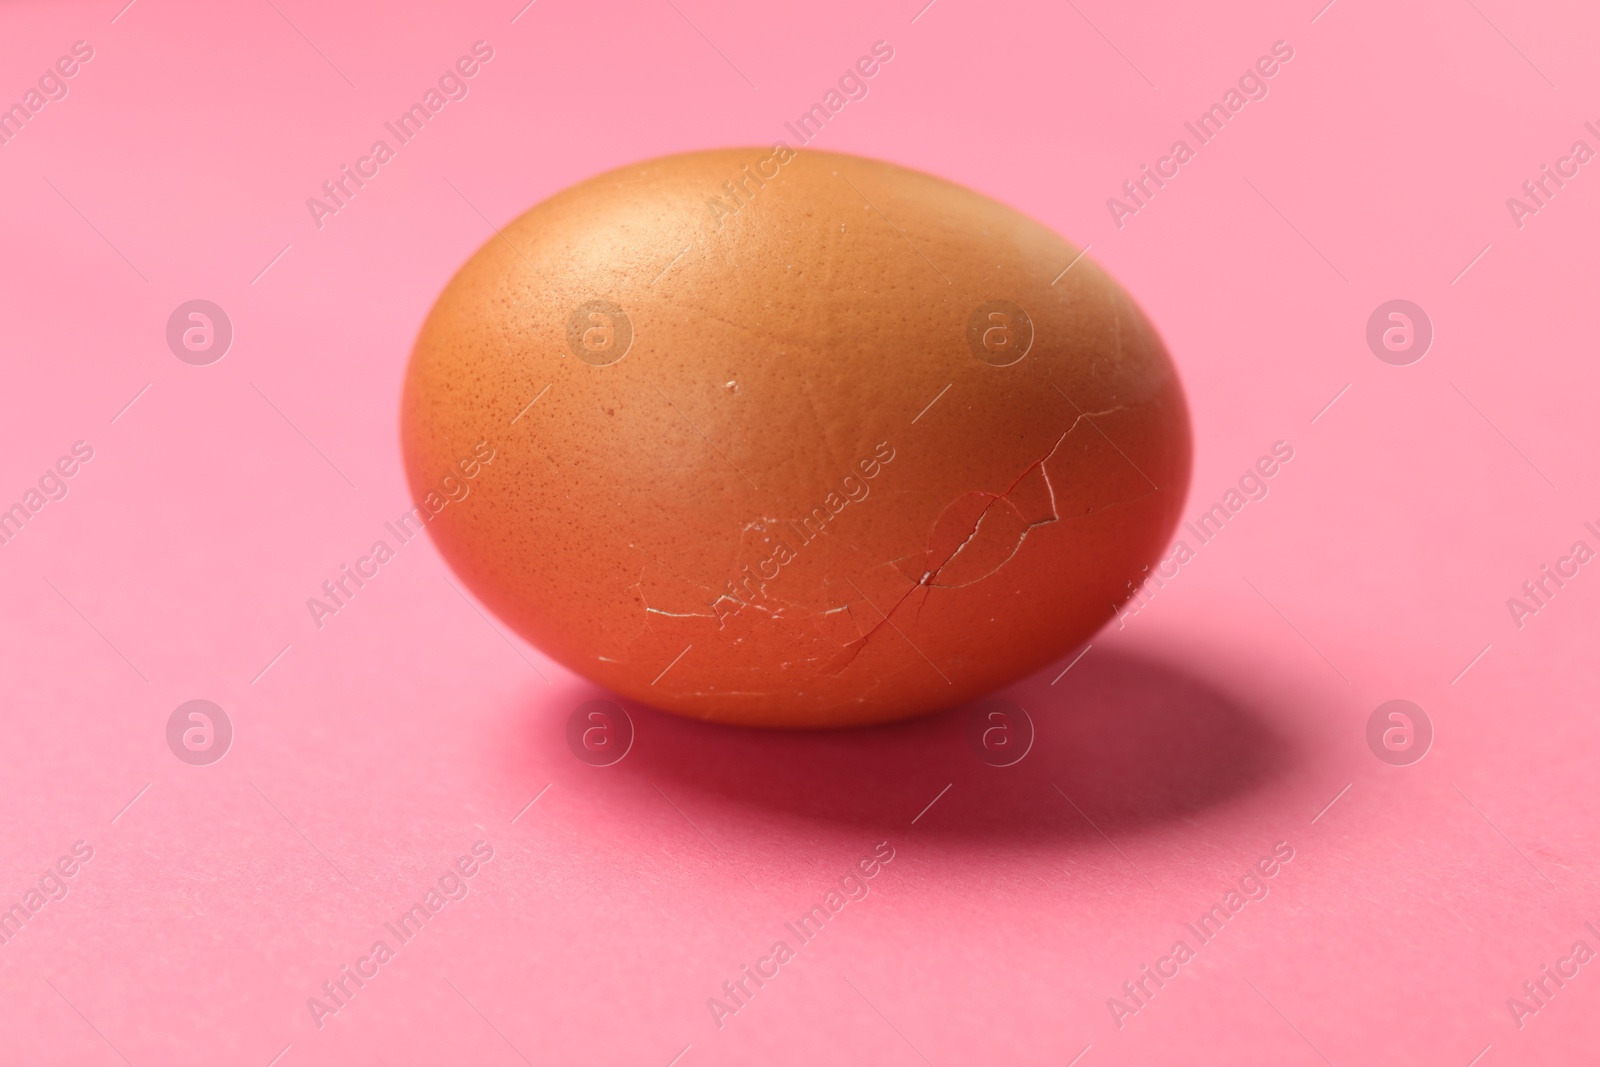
792	438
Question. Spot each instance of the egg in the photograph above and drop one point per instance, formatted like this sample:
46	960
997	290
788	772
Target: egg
792	438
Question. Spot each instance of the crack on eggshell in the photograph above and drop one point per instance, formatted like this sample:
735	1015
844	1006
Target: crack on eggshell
929	578
649	610
1048	512
973	539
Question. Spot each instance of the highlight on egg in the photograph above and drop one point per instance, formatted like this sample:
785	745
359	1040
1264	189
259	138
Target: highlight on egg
793	439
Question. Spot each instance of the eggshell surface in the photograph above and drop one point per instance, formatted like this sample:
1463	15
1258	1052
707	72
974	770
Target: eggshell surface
792	439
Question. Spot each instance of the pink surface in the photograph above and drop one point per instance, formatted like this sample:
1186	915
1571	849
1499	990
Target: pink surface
1217	722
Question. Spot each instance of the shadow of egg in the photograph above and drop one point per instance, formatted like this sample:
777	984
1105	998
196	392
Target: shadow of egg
1121	743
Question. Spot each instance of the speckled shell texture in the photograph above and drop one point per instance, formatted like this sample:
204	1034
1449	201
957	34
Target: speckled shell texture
792	439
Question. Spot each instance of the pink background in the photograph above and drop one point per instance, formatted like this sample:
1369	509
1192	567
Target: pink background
1223	719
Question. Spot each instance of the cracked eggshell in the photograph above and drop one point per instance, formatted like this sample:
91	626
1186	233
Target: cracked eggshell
793	438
